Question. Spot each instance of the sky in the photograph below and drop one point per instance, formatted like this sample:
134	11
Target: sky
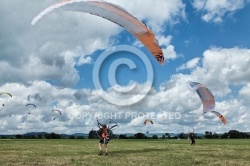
89	67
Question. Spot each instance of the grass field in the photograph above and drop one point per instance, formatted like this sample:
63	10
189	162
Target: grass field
226	152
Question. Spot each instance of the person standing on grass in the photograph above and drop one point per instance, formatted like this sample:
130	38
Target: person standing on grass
191	136
103	133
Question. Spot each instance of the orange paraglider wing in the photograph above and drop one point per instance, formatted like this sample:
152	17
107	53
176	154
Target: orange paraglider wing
113	13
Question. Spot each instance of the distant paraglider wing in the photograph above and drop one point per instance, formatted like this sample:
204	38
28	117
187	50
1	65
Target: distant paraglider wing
6	94
31	105
223	119
147	121
57	111
205	95
113	13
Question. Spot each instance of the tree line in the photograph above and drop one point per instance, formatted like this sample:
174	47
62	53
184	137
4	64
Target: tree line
232	134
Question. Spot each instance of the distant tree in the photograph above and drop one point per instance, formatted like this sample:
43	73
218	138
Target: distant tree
224	136
163	137
52	136
18	136
139	136
131	137
33	137
40	136
182	136
208	134
154	137
93	134
123	136
80	137
215	135
72	137
237	134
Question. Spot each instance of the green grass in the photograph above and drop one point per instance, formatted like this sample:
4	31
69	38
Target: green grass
219	152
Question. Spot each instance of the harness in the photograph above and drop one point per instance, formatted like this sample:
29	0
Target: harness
104	133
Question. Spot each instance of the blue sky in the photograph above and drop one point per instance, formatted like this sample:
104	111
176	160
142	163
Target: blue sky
51	65
190	37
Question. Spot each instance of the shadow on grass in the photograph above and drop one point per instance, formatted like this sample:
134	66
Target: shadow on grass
144	150
129	151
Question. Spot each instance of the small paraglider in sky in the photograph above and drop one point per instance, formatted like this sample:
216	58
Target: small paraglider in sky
30	106
54	110
147	121
3	94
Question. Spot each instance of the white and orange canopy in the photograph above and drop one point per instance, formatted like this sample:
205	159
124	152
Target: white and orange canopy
115	14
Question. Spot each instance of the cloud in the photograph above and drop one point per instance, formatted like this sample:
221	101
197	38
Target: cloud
36	58
53	47
222	67
214	11
168	49
81	107
61	41
191	64
161	12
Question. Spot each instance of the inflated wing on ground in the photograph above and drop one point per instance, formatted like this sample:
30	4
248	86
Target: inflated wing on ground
115	14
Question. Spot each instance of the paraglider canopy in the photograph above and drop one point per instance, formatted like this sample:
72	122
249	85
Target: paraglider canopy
57	111
113	13
147	121
30	105
223	119
207	98
54	110
205	95
6	94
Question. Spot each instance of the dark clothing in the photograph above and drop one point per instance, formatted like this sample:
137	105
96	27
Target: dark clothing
104	133
193	142
191	136
104	141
